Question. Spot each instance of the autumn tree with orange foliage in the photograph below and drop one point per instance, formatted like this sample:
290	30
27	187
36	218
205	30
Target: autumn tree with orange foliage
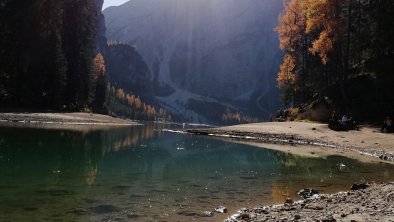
310	33
286	75
99	66
100	89
334	50
293	41
323	17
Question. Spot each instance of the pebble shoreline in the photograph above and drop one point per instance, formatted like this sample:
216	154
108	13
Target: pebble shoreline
375	203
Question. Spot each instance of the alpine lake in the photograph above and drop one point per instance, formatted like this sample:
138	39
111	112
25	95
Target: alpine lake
142	173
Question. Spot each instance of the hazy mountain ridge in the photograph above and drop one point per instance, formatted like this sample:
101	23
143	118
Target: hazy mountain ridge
215	53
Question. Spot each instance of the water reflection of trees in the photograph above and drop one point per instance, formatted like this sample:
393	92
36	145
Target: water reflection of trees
51	169
96	144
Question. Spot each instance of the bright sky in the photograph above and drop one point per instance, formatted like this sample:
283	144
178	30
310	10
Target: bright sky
108	3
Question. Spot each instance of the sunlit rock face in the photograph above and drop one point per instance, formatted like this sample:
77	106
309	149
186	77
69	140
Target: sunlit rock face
205	54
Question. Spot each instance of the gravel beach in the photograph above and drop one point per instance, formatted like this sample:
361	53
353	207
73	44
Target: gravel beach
62	119
375	203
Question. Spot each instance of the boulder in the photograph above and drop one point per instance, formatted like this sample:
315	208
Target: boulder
307	193
221	210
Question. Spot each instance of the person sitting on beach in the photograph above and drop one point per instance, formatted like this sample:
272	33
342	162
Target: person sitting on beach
344	120
348	123
387	125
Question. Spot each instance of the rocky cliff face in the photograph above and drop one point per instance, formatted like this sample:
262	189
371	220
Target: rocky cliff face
125	66
206	55
101	40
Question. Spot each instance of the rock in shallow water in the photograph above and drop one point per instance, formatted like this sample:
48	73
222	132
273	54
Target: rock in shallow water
79	211
307	193
360	186
221	210
289	201
188	213
208	213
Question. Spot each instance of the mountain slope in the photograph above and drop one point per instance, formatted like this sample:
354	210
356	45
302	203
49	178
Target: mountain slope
204	56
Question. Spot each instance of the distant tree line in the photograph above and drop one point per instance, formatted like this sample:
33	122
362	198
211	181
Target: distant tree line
230	117
131	106
338	52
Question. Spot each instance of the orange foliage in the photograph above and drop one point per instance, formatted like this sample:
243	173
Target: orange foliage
323	46
323	18
99	66
135	107
120	94
137	103
292	24
286	76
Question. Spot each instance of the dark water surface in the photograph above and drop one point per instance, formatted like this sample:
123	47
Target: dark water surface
142	174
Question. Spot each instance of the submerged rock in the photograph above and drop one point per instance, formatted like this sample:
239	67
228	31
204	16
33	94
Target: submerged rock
79	211
104	209
252	177
188	213
342	167
360	186
132	215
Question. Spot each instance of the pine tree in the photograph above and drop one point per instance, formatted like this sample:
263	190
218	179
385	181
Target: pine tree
79	42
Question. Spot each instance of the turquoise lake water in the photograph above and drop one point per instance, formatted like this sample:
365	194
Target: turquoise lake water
144	174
